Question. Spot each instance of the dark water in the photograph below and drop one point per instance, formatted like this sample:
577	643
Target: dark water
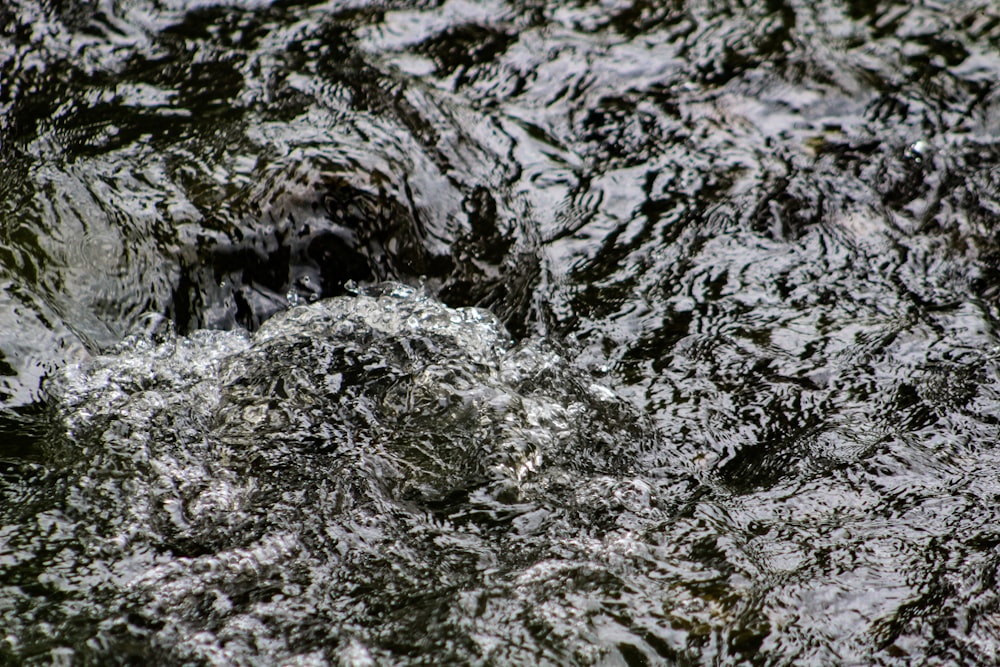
499	333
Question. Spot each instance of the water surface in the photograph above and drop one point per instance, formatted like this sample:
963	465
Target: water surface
660	332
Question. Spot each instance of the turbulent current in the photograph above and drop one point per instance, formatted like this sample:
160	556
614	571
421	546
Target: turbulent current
372	477
499	333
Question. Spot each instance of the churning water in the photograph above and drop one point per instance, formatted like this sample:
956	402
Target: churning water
499	333
364	476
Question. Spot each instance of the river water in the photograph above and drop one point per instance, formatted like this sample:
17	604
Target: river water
496	333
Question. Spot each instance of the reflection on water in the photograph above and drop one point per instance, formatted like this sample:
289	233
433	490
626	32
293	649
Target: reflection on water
770	226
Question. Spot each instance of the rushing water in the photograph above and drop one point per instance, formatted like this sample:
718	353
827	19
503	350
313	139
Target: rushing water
499	333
